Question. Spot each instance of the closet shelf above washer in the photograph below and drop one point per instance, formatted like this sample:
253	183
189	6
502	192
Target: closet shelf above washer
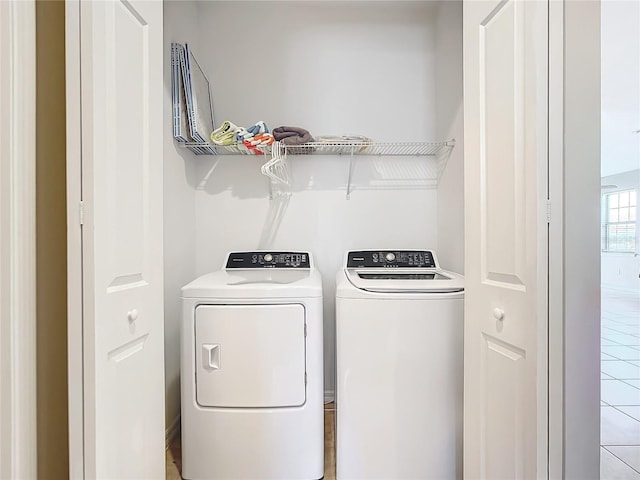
370	148
435	153
417	149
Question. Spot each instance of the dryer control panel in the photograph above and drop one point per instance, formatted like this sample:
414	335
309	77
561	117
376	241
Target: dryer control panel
264	259
391	259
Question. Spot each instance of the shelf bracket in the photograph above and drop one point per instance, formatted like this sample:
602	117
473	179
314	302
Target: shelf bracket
351	160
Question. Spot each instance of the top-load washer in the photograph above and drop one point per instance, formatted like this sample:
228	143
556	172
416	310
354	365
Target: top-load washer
399	377
252	370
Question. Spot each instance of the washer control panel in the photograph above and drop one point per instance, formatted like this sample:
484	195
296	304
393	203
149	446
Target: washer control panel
391	259
264	259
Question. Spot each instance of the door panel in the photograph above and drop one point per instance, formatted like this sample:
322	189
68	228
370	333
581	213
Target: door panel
505	91
127	74
502	390
501	137
123	324
250	355
124	197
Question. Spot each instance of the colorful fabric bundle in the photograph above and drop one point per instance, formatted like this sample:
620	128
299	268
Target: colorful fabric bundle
248	133
225	134
257	144
254	139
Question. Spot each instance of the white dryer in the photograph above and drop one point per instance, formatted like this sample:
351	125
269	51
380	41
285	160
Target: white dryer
399	377
252	370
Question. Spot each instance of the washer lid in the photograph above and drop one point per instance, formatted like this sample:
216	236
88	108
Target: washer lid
405	280
399	271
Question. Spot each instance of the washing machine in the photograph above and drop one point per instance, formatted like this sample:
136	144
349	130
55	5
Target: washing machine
252	370
399	367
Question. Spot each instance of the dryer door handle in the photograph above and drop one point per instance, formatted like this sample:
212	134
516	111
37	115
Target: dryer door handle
211	356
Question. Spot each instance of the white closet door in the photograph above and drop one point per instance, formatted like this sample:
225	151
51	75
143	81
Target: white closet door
505	132
122	374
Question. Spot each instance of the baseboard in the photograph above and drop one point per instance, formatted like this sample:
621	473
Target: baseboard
329	396
172	431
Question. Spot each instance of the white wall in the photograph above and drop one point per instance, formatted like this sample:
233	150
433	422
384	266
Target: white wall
180	168
621	271
581	215
333	68
330	67
450	125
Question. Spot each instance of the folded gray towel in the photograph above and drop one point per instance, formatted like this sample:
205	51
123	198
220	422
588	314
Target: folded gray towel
292	135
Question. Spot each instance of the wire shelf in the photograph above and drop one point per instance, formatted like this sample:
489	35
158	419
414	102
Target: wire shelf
436	153
417	149
203	148
370	148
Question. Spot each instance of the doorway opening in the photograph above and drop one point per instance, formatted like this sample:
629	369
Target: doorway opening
620	241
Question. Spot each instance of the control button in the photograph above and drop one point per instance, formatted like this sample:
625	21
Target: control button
268	257
390	257
375	258
254	258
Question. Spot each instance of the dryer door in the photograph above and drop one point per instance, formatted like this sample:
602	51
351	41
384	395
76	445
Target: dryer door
250	355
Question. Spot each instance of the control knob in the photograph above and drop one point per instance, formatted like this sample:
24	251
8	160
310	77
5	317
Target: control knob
268	257
390	257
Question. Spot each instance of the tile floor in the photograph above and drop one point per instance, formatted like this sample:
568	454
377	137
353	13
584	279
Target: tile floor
620	386
620	396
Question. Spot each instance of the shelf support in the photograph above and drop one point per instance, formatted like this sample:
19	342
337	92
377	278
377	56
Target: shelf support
350	175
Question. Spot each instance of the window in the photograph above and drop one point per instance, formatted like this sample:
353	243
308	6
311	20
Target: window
619	228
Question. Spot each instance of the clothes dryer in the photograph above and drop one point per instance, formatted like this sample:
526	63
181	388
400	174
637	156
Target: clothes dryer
252	370
399	378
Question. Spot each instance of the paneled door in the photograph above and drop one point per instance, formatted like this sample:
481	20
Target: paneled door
114	54
505	148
